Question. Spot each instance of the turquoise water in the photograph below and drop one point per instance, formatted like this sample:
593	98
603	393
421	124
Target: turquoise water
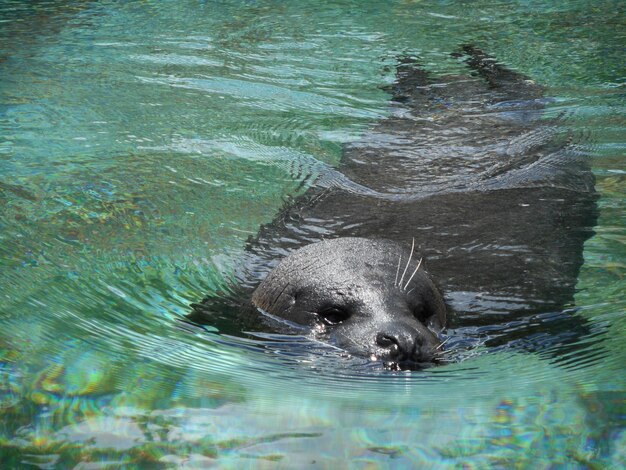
142	143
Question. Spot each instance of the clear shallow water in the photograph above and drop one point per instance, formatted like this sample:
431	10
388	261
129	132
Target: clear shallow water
141	144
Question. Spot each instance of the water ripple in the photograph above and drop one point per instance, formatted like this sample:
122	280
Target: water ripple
144	142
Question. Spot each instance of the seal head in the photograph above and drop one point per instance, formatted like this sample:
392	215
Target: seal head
372	298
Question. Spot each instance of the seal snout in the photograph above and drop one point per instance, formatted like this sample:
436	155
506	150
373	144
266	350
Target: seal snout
401	346
397	345
391	346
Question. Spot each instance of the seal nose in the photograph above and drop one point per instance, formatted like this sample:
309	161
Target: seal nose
398	345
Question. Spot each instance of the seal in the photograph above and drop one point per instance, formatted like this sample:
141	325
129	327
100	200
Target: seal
467	176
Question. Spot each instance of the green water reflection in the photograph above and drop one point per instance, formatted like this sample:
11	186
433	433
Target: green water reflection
142	143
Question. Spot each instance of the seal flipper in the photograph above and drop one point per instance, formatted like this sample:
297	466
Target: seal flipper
417	89
508	84
414	86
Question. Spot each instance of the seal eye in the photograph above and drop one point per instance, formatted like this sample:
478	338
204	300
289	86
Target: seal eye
421	313
333	315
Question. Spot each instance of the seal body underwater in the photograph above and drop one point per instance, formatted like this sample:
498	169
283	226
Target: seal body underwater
466	183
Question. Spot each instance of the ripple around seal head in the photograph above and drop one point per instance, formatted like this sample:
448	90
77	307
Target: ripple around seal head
271	362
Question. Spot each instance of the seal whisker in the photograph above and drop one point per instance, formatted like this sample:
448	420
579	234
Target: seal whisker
395	283
408	262
443	342
451	351
419	263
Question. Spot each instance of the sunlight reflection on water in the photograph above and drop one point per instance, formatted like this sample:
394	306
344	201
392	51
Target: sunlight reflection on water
133	168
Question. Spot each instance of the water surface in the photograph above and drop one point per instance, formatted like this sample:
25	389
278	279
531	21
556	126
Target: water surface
142	143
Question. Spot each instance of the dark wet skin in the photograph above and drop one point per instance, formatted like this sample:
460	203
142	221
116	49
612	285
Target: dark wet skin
496	199
369	298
